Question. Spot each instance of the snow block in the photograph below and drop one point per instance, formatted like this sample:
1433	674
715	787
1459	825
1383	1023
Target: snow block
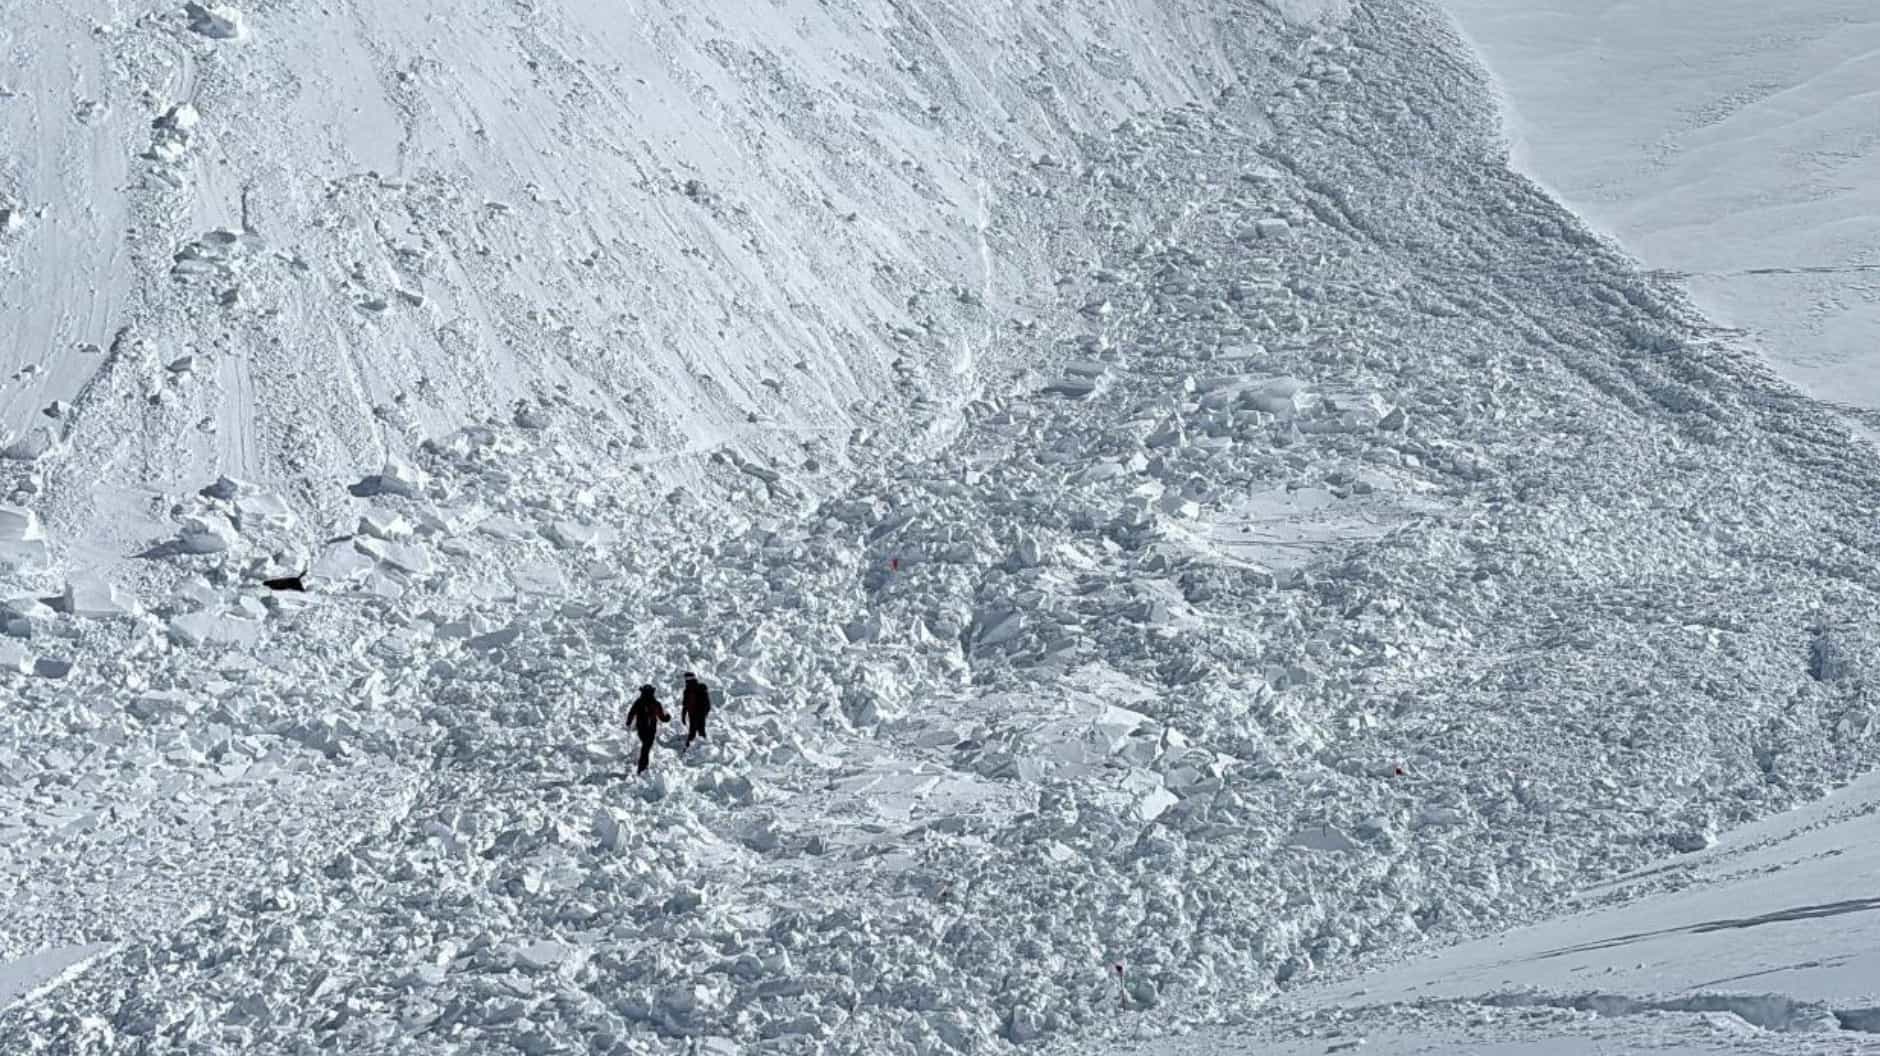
158	705
22	539
24	616
30	446
93	598
402	478
404	557
1322	838
180	118
1273	228
263	511
385	524
1281	396
219	22
19	525
207	534
573	535
211	628
340	563
495	639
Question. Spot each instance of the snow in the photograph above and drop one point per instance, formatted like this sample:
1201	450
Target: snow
1726	142
1767	942
1122	621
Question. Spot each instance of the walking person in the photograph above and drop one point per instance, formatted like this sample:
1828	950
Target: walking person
694	706
645	716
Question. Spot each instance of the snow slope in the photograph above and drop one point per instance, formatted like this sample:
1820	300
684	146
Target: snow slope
1765	942
286	256
1730	143
1326	547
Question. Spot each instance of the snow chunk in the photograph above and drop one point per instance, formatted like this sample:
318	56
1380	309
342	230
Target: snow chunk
545	954
1273	228
180	118
504	527
19	525
160	704
15	659
573	535
402	478
22	538
384	524
341	563
263	511
398	477
220	22
207	534
23	617
91	597
211	628
30	446
228	489
1323	838
1282	396
402	556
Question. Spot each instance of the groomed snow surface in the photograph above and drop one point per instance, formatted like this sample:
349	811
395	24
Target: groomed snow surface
1226	533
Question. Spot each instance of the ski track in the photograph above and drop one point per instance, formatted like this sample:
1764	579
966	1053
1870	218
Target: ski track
1002	710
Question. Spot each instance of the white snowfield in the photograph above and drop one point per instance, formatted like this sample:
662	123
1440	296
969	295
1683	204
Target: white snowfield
1171	518
1729	143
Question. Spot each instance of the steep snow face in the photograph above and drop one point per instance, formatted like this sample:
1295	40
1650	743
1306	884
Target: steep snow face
283	244
1728	141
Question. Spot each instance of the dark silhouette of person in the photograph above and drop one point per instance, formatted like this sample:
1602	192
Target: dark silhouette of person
694	707
645	716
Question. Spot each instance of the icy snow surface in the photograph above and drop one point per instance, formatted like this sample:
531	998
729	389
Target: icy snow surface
1151	487
1729	143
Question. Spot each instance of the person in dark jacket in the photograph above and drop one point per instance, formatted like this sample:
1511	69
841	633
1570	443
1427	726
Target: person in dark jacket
694	707
645	716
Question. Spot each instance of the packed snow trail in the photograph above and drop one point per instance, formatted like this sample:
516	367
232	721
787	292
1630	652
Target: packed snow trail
1004	716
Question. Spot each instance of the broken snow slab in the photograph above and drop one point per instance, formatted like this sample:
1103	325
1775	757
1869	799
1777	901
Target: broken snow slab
22	540
36	975
504	527
1283	529
206	534
217	21
397	477
262	511
1082	379
405	557
341	562
214	628
540	577
90	597
577	535
385	524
